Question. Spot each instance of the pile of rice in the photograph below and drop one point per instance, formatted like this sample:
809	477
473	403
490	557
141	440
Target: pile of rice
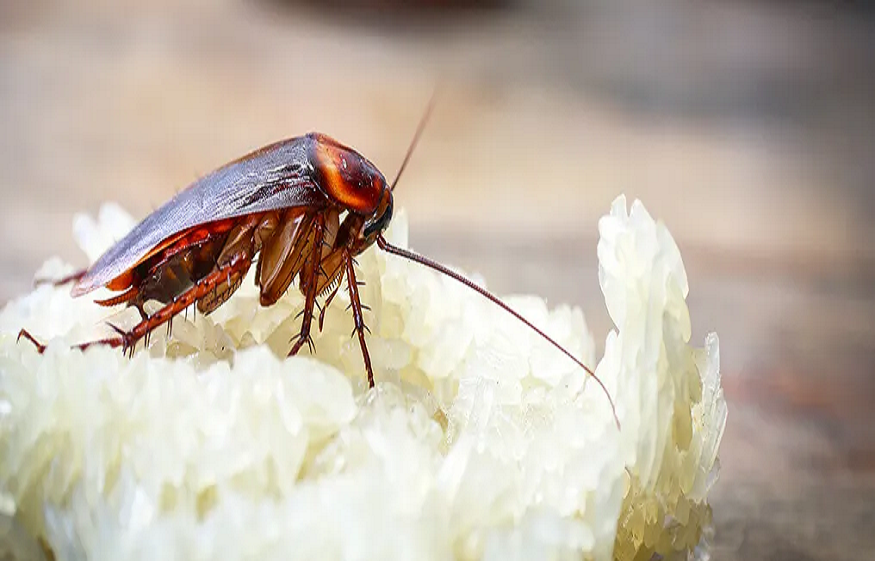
480	440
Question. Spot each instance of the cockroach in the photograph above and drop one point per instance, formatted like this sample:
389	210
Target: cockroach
284	203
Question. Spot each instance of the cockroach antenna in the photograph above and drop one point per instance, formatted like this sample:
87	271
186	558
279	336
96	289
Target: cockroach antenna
421	127
425	261
415	257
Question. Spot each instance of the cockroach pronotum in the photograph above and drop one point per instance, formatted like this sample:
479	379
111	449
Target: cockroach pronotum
283	202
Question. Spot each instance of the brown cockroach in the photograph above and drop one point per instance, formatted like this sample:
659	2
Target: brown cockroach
283	202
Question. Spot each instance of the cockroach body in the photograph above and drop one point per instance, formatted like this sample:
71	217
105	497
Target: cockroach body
283	202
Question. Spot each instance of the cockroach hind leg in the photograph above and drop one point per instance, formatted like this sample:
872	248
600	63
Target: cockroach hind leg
61	281
26	334
124	341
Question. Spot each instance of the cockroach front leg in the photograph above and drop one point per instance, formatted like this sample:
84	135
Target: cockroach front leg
357	316
312	271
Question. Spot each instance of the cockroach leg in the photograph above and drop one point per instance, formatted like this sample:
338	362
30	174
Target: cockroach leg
239	262
123	298
111	341
128	339
127	349
326	304
26	334
143	315
128	297
312	271
124	340
63	280
358	318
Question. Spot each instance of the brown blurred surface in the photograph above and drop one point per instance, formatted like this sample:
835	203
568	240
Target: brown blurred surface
747	127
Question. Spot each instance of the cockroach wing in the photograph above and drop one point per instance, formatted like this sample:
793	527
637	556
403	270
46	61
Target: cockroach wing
274	177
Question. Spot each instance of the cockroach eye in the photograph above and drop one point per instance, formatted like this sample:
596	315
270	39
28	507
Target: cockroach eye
380	223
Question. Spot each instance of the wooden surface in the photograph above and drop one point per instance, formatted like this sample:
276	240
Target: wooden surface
747	128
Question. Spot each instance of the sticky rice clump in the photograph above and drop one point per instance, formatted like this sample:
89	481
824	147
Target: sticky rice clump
480	440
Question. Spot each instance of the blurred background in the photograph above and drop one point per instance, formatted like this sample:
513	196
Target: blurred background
746	126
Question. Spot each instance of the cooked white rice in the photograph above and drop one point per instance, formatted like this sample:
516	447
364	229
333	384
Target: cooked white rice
480	441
